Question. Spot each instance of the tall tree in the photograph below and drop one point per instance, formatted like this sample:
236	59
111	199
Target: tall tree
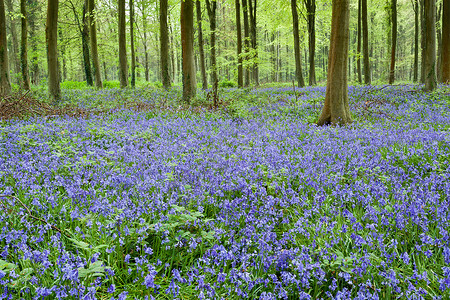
246	42
123	65
211	6
416	40
85	43
239	43
164	43
311	21
133	50
93	39
24	46
358	47
297	53
430	45
187	49
51	32
143	8
200	45
336	108
393	12
15	43
33	6
5	85
252	14
423	39
365	33
446	42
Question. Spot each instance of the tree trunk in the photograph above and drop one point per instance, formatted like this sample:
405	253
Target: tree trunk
85	46
164	44
393	41
123	67
14	40
246	42
93	39
23	47
211	6
255	69
430	45
187	49
416	40
133	50
33	4
144	42
200	45
423	38
336	108
365	33
297	53
446	42
239	44
5	85
439	45
51	33
311	19
358	47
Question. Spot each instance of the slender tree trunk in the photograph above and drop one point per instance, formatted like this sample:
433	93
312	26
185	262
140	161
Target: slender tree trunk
365	33
187	48
393	41
144	42
23	46
211	6
123	65
164	43
246	42
439	45
239	44
33	4
311	20
5	85
446	42
430	45
51	32
416	40
133	50
297	53
358	47
423	38
14	40
200	44
85	46
255	68
336	108
93	39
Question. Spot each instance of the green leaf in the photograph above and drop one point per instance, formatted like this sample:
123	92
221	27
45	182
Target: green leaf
94	269
4	265
80	244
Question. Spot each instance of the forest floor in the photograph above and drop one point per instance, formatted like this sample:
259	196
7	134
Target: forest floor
134	195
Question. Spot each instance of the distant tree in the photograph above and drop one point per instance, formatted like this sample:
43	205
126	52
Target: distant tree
200	44
24	46
187	49
123	67
393	12
93	42
51	32
239	43
5	85
164	43
336	108
429	59
297	53
446	42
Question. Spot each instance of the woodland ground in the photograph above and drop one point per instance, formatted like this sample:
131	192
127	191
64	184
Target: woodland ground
250	200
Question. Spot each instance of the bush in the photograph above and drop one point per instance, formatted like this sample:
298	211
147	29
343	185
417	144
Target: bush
227	84
111	84
74	85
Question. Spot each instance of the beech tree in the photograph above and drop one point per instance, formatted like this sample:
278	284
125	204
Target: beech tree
187	49
211	6
164	43
123	67
446	42
51	32
239	43
336	108
429	60
200	44
311	21
93	42
298	60
5	85
365	36
393	13
24	46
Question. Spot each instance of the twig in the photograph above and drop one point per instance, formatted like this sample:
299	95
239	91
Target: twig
31	215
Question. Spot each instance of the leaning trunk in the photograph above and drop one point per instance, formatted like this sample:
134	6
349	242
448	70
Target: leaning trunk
187	48
51	32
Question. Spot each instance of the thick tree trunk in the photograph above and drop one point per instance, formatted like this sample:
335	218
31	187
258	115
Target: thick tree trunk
246	42
311	19
164	43
85	46
336	108
14	40
297	53
133	50
255	69
93	40
187	48
239	44
416	40
393	40
123	66
365	33
430	45
5	85
23	47
446	42
51	32
211	6
200	45
358	47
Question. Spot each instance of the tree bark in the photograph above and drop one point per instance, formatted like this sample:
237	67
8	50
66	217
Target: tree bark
5	85
239	44
133	50
187	49
123	66
32	5
51	32
144	42
15	42
423	38
23	47
297	53
336	108
393	40
93	39
311	20
416	40
211	7
365	33
358	47
200	45
164	44
446	42
255	69
439	45
430	45
246	42
85	45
